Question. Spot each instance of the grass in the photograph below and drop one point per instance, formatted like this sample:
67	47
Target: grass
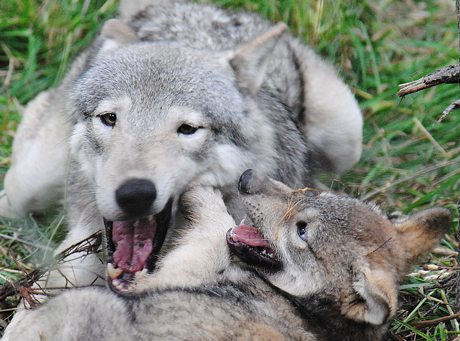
409	161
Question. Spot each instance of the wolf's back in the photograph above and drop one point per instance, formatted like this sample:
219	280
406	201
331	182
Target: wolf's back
319	102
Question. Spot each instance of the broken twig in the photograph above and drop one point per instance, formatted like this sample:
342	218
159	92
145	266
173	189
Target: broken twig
23	286
448	75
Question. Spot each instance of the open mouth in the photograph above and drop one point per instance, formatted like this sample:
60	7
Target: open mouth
252	248
133	247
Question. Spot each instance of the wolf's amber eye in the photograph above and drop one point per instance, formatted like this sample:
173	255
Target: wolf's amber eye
109	119
187	129
302	230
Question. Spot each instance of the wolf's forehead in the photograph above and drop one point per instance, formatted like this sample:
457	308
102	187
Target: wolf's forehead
166	77
164	67
331	206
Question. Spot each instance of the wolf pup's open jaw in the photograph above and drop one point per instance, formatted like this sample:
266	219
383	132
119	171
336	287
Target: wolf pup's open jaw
249	244
133	247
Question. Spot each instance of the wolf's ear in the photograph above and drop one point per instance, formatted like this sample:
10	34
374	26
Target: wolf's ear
419	233
375	298
114	34
250	60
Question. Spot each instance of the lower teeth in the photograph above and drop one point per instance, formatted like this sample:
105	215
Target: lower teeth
117	284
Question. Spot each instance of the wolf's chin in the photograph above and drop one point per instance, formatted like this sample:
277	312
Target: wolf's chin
133	247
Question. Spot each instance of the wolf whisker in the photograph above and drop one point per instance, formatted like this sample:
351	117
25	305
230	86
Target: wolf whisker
382	245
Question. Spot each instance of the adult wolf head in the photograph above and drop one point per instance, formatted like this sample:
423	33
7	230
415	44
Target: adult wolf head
155	118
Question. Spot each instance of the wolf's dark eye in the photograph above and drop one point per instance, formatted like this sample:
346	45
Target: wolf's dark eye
187	129
302	230
109	119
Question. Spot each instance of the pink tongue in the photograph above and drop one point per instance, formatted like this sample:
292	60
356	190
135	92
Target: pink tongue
133	243
250	235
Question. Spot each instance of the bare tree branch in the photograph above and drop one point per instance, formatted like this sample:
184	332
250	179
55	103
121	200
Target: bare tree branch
448	75
23	286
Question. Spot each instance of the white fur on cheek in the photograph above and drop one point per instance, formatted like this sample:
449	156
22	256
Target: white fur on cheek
296	279
88	163
228	167
77	137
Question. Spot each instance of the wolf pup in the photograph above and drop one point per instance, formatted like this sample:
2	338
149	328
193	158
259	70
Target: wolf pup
338	259
333	264
179	95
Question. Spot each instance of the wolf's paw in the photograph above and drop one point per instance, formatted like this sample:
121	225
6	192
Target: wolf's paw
202	201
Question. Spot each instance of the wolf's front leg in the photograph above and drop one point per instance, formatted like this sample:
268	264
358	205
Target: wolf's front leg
83	264
200	255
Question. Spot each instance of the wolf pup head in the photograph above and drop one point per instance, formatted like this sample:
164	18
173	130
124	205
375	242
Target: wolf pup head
338	258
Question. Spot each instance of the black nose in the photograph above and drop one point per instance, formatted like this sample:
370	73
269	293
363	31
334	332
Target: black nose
244	185
135	197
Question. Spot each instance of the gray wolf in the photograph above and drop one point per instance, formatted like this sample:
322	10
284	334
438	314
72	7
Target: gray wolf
326	268
177	96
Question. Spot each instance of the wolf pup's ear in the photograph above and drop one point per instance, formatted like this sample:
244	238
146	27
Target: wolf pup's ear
250	60
375	300
115	34
419	233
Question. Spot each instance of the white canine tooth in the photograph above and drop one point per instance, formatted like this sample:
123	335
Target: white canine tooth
141	273
150	217
113	273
